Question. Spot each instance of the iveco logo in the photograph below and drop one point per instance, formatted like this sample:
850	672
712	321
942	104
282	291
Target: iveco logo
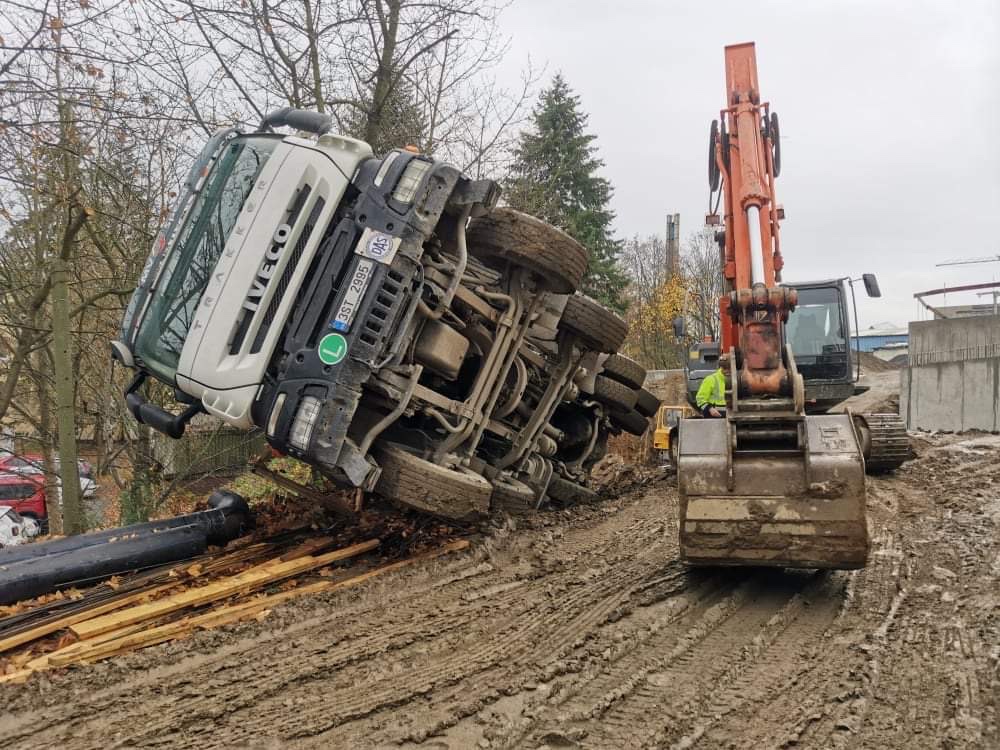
266	270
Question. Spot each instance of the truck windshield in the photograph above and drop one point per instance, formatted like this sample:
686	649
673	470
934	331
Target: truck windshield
816	332
195	251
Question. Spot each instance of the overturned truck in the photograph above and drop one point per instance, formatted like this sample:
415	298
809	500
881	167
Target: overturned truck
382	320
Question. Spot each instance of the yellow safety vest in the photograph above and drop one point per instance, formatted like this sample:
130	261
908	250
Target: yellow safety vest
712	391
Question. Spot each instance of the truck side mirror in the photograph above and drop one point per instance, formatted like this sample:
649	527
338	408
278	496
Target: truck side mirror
871	285
679	330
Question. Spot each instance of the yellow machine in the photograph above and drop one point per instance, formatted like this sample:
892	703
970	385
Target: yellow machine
668	418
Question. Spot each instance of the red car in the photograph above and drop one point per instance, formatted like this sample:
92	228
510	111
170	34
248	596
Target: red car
32	463
25	494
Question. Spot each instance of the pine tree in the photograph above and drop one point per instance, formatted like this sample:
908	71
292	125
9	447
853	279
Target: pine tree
554	177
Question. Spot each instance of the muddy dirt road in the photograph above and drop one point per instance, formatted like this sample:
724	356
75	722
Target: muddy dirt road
583	630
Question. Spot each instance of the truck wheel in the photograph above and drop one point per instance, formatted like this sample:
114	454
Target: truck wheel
646	403
624	370
598	328
566	492
614	394
631	421
455	495
513	496
558	259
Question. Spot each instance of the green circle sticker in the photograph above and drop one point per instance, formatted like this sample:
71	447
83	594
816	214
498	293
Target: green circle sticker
332	348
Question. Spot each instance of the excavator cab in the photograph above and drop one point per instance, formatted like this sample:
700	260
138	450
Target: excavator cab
820	334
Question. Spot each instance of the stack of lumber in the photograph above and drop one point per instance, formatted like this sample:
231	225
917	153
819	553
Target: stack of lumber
155	610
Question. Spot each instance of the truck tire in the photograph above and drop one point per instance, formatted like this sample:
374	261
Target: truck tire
565	492
646	403
513	496
631	422
460	496
558	259
598	328
624	370
611	393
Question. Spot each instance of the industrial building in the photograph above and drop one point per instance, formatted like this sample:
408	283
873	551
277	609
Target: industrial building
880	336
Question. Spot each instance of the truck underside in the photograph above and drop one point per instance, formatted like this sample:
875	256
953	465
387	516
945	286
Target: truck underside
401	334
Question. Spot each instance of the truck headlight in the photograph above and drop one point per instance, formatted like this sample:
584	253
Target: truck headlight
304	422
384	169
406	188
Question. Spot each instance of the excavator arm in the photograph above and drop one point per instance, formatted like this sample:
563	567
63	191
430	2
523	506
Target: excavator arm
766	485
755	308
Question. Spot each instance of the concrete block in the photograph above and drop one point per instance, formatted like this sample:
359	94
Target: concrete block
953	381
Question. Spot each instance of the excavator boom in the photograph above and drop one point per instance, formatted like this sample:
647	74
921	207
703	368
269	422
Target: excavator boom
766	485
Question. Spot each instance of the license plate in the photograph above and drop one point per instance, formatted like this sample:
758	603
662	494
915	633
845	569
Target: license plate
355	294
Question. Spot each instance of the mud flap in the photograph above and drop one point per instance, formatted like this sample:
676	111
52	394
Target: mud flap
800	509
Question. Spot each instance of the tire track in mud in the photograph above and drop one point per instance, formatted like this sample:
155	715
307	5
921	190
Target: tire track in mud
526	637
579	652
812	699
762	669
251	691
914	668
583	629
717	650
616	666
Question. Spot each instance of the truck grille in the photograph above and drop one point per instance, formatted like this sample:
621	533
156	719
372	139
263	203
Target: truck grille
246	318
286	276
381	307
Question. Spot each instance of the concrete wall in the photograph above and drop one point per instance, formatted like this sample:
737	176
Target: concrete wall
953	380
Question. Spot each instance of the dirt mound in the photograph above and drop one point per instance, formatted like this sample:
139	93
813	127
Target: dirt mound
871	363
613	475
881	397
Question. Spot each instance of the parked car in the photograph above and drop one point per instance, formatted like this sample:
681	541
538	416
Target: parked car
31	464
16	529
25	494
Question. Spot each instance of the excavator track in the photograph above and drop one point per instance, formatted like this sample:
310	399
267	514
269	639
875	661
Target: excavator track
884	441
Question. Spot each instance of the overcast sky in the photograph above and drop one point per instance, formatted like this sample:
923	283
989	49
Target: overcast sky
890	119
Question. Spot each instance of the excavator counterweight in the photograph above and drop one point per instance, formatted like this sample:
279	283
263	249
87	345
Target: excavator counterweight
766	484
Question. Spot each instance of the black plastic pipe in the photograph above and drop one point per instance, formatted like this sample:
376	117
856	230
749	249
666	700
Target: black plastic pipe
35	569
30	578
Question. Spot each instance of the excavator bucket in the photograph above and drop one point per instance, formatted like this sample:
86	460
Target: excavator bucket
792	495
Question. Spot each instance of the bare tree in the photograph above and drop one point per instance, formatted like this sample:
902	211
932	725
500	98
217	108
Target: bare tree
655	299
67	89
701	264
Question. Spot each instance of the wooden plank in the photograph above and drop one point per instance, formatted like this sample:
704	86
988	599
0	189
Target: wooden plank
48	628
248	580
106	646
308	547
121	640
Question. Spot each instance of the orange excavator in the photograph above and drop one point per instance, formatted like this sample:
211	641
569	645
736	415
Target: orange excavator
767	484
